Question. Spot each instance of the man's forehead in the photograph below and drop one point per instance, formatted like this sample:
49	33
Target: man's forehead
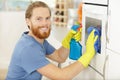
41	10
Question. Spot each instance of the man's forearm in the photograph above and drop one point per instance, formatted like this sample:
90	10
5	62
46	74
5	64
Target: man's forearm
63	53
59	55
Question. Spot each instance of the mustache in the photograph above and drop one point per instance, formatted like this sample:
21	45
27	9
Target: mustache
45	26
42	26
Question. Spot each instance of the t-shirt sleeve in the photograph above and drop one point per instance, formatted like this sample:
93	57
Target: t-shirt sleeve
49	48
32	59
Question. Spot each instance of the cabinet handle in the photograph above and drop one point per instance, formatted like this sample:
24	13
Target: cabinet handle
108	26
106	32
104	67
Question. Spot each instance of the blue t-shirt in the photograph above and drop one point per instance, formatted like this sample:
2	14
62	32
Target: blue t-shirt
28	56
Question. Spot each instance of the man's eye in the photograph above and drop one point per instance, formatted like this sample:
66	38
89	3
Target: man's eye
39	18
48	18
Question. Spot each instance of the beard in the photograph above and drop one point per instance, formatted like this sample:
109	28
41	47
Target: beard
38	34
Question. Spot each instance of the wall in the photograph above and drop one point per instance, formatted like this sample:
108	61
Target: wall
12	24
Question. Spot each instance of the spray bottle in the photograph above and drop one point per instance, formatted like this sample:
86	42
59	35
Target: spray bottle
75	49
75	46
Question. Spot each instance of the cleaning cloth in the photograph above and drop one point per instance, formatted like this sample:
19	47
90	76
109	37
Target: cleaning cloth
97	44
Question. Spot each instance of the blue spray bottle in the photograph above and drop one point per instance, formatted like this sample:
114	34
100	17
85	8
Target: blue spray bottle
75	49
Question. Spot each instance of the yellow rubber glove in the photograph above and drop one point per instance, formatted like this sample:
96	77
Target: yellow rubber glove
69	36
90	50
78	35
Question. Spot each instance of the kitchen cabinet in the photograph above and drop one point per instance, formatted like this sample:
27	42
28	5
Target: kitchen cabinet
113	66
113	43
113	26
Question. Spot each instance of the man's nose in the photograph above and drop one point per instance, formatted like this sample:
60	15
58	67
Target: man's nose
44	22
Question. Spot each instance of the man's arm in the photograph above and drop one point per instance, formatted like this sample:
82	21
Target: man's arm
53	72
59	55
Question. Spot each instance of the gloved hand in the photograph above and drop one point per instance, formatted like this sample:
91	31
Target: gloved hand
78	35
90	50
71	33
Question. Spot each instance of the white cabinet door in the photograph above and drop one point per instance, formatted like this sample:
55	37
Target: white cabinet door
113	67
114	26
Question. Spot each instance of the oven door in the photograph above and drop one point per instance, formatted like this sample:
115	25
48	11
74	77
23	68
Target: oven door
94	15
104	2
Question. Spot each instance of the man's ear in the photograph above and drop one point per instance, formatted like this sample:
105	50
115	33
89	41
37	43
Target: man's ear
28	22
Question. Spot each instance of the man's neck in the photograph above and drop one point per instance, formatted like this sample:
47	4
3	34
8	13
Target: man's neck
37	39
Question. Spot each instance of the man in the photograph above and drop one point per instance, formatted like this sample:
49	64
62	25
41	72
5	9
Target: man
29	57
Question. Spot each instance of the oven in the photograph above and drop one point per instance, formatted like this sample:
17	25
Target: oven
95	14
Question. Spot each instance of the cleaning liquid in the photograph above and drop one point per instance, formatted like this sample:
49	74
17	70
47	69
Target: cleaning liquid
75	50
